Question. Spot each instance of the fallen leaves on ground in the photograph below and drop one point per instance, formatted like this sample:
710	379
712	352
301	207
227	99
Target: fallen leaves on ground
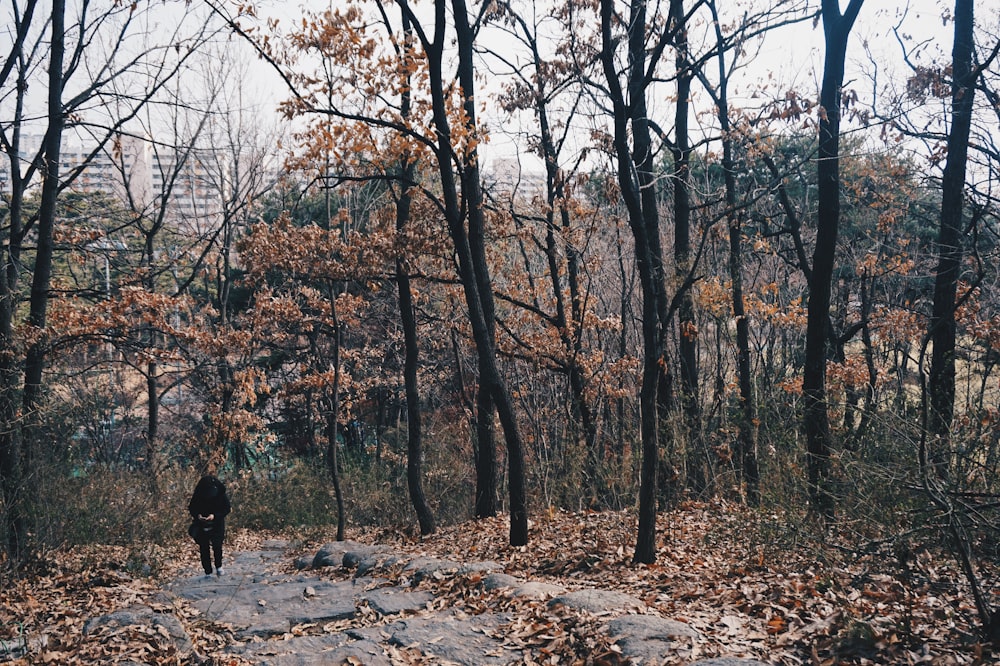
751	584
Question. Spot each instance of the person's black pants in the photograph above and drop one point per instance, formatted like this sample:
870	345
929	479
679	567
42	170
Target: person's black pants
214	541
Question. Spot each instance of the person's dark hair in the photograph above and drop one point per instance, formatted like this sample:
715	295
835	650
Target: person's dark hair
207	487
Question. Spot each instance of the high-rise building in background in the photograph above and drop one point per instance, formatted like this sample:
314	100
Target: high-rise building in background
142	176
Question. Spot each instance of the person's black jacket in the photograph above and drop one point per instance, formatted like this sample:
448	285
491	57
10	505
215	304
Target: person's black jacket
209	499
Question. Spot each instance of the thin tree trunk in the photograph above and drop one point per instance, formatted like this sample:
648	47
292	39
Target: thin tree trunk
153	420
698	474
950	245
816	423
635	179
42	275
14	523
486	455
746	453
475	241
469	241
568	321
408	319
333	464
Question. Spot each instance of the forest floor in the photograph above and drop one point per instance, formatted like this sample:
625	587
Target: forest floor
752	585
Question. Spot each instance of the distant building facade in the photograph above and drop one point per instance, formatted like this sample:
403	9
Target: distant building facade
144	177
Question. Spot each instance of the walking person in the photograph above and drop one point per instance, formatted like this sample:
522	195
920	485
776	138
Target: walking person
209	507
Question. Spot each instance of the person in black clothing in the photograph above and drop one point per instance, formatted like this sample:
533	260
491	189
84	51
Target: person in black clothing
209	507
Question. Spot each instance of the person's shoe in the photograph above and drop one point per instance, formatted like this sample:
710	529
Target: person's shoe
207	577
218	572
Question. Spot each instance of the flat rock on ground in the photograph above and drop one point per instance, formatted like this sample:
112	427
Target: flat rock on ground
357	603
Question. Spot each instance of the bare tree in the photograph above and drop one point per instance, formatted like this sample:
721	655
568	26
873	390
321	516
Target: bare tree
634	155
816	422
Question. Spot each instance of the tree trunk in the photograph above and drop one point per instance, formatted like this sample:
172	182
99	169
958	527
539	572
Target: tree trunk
816	423
408	319
950	245
486	455
746	453
333	409
568	320
332	465
469	242
15	528
42	273
635	179
698	474
153	421
414	450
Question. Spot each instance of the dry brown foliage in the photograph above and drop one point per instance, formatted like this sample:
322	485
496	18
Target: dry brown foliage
750	583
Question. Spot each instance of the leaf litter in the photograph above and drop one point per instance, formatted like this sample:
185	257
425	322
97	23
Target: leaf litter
750	584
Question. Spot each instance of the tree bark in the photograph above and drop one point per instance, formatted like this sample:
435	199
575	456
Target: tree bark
333	409
42	274
746	453
816	423
950	244
634	168
476	243
15	528
463	208
688	339
408	319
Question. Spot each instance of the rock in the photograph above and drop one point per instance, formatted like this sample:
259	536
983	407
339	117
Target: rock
479	567
496	581
376	561
597	601
335	554
427	567
536	590
264	604
649	627
172	630
648	638
452	638
310	650
261	606
395	600
355	556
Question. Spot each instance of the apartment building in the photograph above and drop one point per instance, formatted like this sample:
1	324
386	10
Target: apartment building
143	175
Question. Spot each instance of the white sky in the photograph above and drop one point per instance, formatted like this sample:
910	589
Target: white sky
790	58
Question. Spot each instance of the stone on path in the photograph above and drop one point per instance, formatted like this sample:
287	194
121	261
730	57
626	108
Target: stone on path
164	624
421	568
311	650
648	639
396	600
485	567
370	563
468	640
598	602
496	581
537	590
262	607
344	553
262	604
